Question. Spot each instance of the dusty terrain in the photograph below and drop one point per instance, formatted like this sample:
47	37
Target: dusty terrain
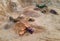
50	22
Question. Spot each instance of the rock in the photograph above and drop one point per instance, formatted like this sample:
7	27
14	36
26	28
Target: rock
44	11
22	32
30	30
53	12
37	9
13	20
31	20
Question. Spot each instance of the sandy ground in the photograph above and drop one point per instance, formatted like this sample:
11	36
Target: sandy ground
49	21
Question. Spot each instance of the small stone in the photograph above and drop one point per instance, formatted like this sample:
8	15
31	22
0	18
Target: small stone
53	12
22	32
31	20
37	9
44	11
30	30
13	20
